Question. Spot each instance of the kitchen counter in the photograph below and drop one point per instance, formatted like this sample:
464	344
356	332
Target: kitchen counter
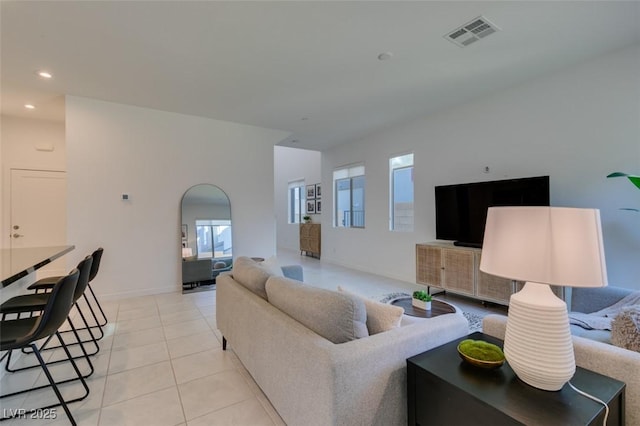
19	262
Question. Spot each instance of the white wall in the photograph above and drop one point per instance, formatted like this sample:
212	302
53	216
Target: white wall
155	157
18	140
290	165
577	126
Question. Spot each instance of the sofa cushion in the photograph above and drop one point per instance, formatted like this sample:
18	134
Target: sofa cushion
625	329
380	316
251	275
338	317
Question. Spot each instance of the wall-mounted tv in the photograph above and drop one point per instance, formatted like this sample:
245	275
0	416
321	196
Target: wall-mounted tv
461	210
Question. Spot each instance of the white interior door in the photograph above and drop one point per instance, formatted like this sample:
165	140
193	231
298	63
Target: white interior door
38	212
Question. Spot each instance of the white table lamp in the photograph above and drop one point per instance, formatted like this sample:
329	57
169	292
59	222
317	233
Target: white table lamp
542	246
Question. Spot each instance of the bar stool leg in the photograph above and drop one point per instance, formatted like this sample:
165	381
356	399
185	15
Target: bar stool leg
53	383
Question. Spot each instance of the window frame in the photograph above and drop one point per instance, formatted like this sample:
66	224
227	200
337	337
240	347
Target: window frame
210	224
392	194
294	218
343	174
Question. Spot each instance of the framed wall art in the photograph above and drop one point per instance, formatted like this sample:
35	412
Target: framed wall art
311	192
311	206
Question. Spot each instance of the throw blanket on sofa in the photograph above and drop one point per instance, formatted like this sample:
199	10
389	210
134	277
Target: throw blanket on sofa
601	320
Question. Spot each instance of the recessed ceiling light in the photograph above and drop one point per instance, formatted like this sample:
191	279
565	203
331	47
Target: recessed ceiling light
45	74
29	106
385	56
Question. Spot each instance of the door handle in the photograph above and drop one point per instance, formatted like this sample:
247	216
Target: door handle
17	235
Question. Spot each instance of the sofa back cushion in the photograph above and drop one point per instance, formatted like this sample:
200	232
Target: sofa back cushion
338	317
253	275
592	299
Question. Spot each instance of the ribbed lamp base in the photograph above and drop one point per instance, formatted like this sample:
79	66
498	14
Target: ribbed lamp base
538	343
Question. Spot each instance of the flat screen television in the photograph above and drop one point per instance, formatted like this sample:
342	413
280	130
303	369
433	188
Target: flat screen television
461	210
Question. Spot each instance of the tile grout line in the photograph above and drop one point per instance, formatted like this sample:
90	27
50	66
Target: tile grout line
106	373
175	379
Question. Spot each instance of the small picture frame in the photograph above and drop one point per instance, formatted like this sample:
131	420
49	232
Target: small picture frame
311	206
184	232
318	206
318	190
311	192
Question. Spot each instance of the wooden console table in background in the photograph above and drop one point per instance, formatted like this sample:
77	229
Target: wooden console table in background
310	239
455	269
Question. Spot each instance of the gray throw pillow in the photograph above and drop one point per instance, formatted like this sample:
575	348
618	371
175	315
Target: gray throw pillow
625	329
338	317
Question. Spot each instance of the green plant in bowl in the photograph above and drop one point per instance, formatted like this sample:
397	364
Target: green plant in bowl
481	353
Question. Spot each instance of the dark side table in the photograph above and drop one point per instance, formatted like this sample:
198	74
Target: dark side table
444	390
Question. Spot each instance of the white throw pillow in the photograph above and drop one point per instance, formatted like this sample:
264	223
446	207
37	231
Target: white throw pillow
380	316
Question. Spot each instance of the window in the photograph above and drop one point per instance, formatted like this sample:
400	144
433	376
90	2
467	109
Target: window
401	193
348	184
213	238
296	202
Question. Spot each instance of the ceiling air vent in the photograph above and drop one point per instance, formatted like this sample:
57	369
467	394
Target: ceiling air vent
472	31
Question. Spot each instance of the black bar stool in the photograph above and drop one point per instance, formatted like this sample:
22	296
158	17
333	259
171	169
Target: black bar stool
24	332
45	284
34	302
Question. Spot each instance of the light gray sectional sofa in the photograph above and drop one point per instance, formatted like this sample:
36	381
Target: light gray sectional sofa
309	379
603	358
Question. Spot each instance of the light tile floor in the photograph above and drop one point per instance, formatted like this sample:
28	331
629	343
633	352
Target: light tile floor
161	360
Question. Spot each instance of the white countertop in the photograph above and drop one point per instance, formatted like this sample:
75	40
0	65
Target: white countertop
20	262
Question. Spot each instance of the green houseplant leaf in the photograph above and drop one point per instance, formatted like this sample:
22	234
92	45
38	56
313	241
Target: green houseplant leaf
633	179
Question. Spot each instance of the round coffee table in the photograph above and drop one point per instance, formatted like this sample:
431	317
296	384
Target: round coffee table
438	307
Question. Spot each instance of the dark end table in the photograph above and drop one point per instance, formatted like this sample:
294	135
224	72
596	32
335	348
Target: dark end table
444	390
438	307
